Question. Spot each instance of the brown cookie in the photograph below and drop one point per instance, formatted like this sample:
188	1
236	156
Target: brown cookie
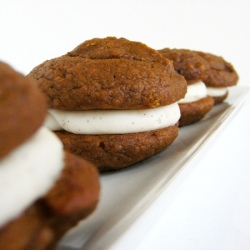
194	111
76	83
220	73
109	73
187	63
22	109
118	151
112	74
73	197
119	48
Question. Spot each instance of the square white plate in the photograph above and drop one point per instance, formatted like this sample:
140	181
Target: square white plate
127	194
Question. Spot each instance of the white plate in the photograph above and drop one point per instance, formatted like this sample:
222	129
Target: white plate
127	194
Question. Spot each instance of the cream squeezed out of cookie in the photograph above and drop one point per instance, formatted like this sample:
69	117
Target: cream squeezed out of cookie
28	172
113	121
195	92
216	91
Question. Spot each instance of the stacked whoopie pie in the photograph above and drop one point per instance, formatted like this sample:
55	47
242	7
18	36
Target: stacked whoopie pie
44	190
112	101
196	103
208	77
220	76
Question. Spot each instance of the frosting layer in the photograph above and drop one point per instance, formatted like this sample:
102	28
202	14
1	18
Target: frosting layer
212	91
28	172
113	121
195	92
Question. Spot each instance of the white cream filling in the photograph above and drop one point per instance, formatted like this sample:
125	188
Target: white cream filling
113	121
216	92
194	93
28	173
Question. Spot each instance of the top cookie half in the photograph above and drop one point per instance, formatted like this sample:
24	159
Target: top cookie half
187	63
221	73
22	108
213	70
109	73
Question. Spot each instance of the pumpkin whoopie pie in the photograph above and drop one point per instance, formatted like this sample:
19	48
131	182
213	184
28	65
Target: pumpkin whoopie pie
44	190
194	68
219	76
112	101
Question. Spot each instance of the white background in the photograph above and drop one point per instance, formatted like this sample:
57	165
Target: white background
212	209
33	31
